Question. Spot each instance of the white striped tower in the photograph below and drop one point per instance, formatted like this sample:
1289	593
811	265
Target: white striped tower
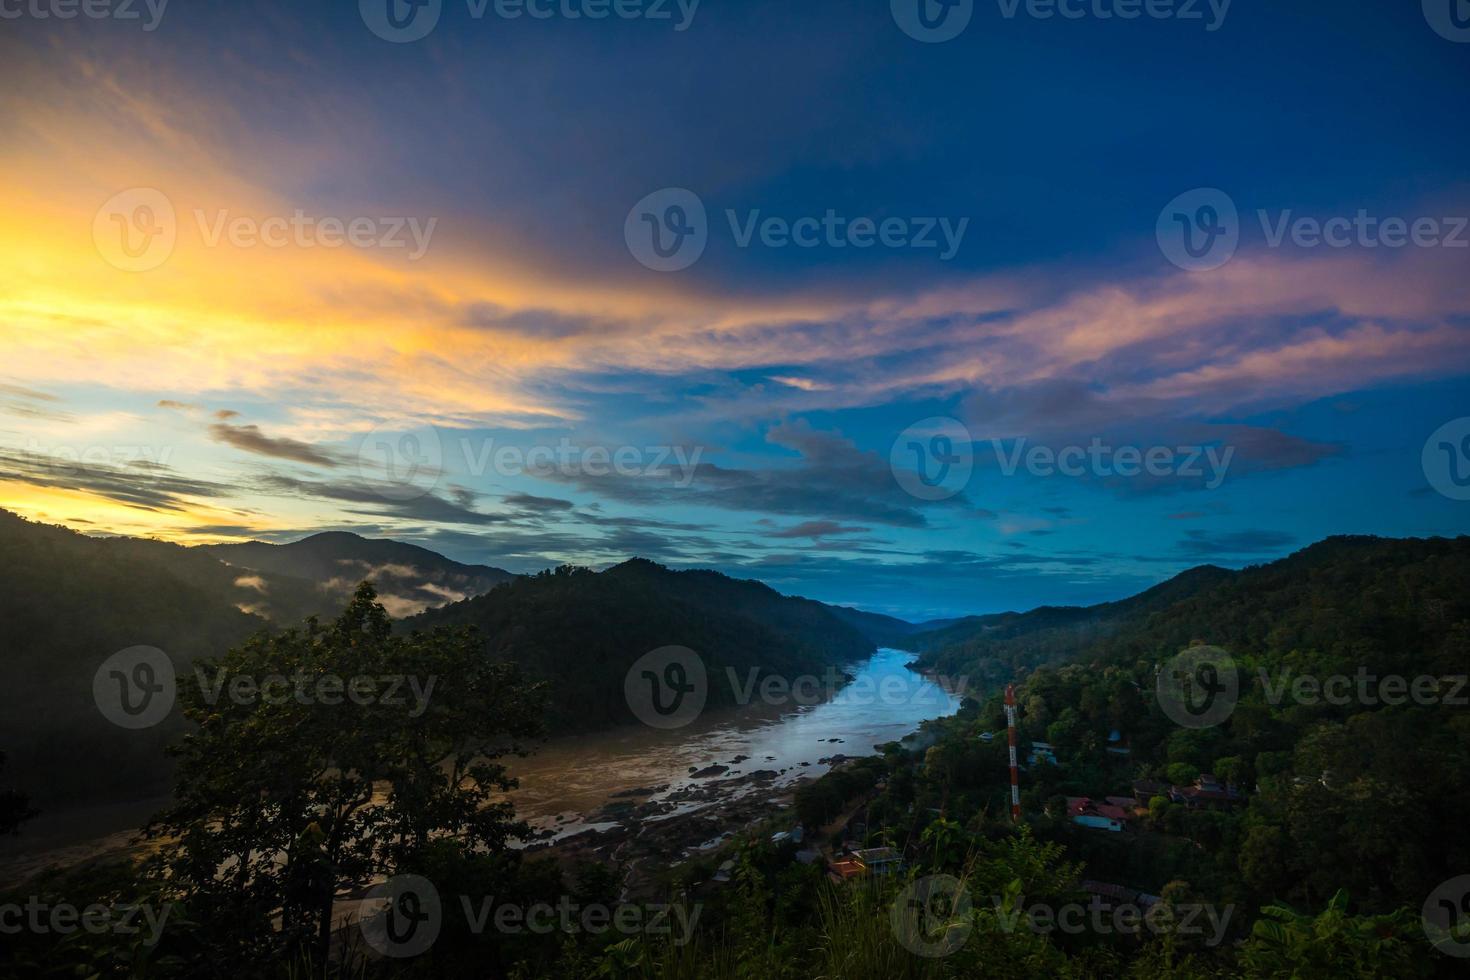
1011	738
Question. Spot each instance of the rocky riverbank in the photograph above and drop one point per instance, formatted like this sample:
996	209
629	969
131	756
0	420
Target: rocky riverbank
646	830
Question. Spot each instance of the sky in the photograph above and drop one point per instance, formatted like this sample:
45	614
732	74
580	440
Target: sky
983	310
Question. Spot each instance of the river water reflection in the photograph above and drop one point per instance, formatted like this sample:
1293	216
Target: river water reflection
568	779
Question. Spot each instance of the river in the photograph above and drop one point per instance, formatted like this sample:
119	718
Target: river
569	779
569	784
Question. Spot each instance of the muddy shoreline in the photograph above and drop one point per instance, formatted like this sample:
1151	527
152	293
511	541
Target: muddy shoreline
636	796
650	835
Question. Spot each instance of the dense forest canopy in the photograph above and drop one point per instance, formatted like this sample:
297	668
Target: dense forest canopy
71	600
582	630
1311	829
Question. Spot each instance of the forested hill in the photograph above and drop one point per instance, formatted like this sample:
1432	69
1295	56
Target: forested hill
581	630
886	631
1395	604
1321	803
990	649
409	579
1346	737
1383	593
67	602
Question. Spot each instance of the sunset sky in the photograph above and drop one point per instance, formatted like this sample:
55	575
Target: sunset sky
234	390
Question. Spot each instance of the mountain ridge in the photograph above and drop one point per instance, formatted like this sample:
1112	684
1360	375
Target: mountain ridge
70	600
409	577
996	647
583	629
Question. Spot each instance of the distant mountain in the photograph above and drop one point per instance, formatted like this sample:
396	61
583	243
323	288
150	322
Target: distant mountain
885	631
409	579
1321	595
890	631
989	649
1398	604
68	601
939	624
582	630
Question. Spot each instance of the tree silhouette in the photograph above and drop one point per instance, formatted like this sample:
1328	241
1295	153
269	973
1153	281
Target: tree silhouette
286	802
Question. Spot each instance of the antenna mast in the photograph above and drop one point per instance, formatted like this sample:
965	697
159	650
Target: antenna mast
1011	738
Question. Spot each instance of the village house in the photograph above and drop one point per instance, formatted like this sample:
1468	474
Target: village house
863	862
879	860
1107	815
844	869
1206	793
